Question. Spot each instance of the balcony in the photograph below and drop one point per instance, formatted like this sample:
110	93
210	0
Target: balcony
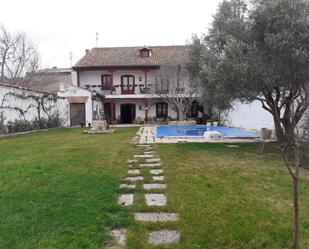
131	89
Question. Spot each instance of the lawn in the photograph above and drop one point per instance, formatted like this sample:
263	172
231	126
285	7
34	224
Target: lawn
59	190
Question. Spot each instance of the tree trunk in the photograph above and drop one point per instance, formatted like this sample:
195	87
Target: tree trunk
295	195
296	214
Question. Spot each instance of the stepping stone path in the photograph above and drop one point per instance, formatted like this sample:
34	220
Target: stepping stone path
164	237
144	158
120	235
154	186
158	178
156	171
134	178
156	217
155	199
126	199
153	160
150	165
129	186
134	171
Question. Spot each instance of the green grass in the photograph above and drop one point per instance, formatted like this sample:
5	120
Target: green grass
59	190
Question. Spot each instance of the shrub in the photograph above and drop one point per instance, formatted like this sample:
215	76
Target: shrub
19	126
36	124
3	128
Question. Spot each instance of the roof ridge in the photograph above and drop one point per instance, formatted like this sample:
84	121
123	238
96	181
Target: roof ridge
155	46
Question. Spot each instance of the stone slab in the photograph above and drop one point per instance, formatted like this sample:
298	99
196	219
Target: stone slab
147	149
126	199
143	145
120	235
156	171
154	186
134	171
148	152
128	186
164	237
156	217
233	146
134	178
132	161
155	199
143	156
150	165
158	178
153	160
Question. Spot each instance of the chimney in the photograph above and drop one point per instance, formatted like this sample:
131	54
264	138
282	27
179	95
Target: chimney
87	51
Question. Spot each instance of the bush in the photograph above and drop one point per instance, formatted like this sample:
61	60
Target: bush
19	126
3	128
36	124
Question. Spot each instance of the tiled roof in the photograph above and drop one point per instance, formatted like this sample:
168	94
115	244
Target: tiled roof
130	56
48	80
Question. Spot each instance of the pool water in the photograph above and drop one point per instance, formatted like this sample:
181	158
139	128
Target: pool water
198	130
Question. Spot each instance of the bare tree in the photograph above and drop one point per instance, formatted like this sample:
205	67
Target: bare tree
18	56
175	87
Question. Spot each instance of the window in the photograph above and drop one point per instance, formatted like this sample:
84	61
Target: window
162	111
127	80
105	82
127	84
145	52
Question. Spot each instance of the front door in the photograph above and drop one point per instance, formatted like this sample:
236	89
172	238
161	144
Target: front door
77	114
107	112
127	112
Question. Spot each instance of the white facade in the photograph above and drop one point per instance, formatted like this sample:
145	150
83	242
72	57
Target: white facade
18	103
91	79
69	91
249	116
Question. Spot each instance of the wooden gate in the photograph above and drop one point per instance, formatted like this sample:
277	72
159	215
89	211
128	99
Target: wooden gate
77	114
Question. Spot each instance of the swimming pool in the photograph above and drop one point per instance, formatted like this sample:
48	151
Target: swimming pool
198	131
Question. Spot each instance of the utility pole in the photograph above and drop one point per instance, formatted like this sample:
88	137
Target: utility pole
96	39
71	58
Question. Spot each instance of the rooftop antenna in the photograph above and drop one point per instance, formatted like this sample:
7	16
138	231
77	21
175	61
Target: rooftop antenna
96	38
71	58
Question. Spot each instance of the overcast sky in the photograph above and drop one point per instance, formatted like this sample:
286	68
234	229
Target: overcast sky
59	27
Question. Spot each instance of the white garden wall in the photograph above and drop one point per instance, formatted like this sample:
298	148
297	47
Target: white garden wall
249	116
18	103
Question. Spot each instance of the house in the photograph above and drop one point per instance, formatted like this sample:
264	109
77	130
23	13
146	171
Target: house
84	105
123	75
